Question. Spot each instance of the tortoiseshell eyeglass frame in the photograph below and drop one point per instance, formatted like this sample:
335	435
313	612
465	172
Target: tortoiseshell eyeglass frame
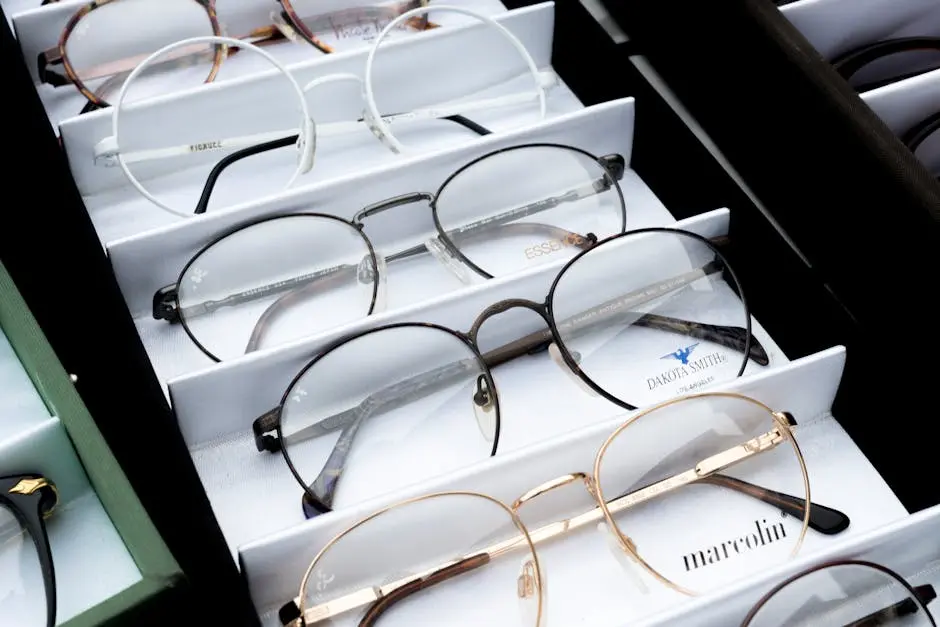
379	599
319	494
853	61
292	26
31	499
919	597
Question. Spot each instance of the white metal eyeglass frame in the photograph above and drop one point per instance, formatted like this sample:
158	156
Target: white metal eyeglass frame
108	153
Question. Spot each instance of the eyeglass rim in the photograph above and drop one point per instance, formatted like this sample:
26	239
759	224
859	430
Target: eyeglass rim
565	352
242	227
755	609
33	521
852	62
83	11
455	250
599	457
517	522
335	345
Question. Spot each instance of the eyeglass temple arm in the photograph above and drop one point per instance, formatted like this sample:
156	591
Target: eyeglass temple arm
289	613
285	142
106	151
822	519
703	469
925	594
31	499
164	300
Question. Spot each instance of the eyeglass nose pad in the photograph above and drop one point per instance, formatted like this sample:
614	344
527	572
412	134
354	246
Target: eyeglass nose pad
372	281
559	360
446	258
529	590
484	407
623	553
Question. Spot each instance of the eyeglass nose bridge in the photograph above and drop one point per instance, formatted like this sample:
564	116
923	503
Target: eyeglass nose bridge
502	307
548	486
391	203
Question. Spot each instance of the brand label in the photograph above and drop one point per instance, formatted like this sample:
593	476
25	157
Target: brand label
216	145
688	366
764	534
550	246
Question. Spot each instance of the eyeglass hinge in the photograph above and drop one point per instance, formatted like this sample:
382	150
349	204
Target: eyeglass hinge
164	304
615	165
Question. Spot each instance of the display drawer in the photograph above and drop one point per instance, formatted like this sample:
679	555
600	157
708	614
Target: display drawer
99	525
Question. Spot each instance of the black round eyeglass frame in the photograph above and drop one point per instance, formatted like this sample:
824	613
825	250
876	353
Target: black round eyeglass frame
166	303
315	504
923	594
918	134
850	63
31	499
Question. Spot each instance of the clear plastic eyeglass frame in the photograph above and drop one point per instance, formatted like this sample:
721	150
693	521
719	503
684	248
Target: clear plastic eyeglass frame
108	153
609	504
561	338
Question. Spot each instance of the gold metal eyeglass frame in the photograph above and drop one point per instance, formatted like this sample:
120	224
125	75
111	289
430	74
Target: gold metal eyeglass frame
531	581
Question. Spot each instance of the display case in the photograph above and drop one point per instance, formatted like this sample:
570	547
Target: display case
818	222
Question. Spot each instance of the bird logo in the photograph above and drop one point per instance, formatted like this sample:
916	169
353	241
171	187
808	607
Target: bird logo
682	354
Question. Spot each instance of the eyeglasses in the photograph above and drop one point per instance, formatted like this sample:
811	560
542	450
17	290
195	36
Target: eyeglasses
105	39
157	157
899	58
278	278
849	593
26	501
612	316
668	480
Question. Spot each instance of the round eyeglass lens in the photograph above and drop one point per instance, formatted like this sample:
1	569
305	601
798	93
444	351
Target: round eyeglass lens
398	81
386	409
550	203
694	532
172	154
22	587
844	593
277	280
111	38
653	314
472	558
